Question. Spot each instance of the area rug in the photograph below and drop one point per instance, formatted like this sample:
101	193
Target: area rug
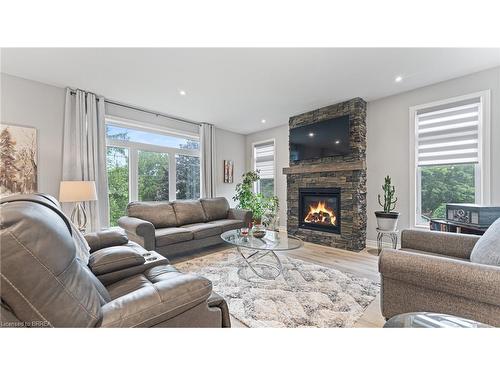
305	295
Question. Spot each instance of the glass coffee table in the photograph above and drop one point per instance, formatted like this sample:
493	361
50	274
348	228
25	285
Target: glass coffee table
431	320
259	254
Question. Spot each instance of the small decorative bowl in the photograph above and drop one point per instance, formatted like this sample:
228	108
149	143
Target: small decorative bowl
258	231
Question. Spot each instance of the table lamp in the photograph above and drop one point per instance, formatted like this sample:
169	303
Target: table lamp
78	192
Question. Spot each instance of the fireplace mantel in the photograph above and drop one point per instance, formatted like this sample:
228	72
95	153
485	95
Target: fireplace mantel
344	166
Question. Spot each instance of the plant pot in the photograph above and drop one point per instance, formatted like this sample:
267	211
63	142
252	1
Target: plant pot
387	220
257	221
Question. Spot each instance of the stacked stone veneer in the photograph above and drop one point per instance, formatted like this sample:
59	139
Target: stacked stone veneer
351	181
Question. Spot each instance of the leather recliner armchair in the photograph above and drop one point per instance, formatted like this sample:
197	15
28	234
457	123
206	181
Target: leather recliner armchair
44	283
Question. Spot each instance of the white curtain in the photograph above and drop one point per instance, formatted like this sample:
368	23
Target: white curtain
84	150
207	137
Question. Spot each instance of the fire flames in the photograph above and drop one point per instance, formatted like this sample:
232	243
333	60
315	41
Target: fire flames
321	214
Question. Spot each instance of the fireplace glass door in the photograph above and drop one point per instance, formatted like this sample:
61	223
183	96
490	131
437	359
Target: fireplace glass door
319	209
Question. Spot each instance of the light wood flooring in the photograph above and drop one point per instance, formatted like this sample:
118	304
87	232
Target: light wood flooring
362	264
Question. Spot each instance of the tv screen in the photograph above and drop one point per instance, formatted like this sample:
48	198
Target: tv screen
321	139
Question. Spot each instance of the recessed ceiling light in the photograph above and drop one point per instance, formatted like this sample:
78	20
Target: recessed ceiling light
182	92
398	79
337	142
263	120
311	134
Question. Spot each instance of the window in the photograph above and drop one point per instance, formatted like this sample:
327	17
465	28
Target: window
263	156
149	165
118	182
188	176
153	176
450	160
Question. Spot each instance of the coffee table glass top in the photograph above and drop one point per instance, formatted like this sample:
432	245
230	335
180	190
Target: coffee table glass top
431	320
274	241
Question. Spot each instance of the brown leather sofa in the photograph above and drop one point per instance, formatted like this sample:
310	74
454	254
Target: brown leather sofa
173	228
45	284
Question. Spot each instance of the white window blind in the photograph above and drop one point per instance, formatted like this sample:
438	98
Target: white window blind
449	134
264	159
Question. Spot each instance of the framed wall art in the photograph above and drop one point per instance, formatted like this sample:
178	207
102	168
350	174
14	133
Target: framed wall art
19	160
228	171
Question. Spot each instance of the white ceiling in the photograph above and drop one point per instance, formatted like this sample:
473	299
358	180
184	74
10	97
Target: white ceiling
236	88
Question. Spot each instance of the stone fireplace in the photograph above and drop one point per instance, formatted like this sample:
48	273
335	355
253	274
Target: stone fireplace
327	196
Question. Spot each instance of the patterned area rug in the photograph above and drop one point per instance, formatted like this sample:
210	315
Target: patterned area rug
305	295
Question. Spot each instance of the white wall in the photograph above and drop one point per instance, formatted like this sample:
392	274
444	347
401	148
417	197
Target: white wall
229	146
280	136
388	138
388	141
30	103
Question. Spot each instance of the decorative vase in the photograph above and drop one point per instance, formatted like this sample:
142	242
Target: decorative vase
387	221
274	224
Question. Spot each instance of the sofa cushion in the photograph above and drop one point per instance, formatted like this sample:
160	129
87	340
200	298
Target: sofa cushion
160	214
152	302
215	208
134	282
415	251
203	230
105	238
169	236
114	258
188	212
228	224
487	248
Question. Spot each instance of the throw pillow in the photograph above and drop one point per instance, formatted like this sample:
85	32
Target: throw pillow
487	248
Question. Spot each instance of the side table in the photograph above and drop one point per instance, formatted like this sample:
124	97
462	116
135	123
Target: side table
393	235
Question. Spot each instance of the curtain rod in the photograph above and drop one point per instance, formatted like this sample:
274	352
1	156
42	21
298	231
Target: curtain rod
140	109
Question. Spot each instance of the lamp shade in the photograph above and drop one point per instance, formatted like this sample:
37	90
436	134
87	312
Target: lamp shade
77	191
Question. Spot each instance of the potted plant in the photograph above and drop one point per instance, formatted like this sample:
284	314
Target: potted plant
261	206
271	219
387	219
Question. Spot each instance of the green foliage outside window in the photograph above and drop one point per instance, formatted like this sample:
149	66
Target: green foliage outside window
267	187
117	165
188	173
445	184
153	176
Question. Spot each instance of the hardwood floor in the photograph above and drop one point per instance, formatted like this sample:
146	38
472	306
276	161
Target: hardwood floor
362	264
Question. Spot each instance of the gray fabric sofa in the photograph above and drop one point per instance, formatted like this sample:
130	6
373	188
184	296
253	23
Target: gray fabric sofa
172	228
45	284
433	272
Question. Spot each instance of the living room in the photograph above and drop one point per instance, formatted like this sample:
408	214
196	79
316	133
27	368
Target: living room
277	186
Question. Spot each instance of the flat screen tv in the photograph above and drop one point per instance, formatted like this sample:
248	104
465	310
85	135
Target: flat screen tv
321	139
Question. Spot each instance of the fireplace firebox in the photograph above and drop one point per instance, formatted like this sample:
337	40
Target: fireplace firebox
319	209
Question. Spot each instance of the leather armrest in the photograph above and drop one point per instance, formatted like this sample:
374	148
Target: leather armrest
106	238
113	259
138	230
451	244
477	282
156	302
239	214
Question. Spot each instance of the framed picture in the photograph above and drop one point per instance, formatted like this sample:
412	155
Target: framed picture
19	160
228	171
